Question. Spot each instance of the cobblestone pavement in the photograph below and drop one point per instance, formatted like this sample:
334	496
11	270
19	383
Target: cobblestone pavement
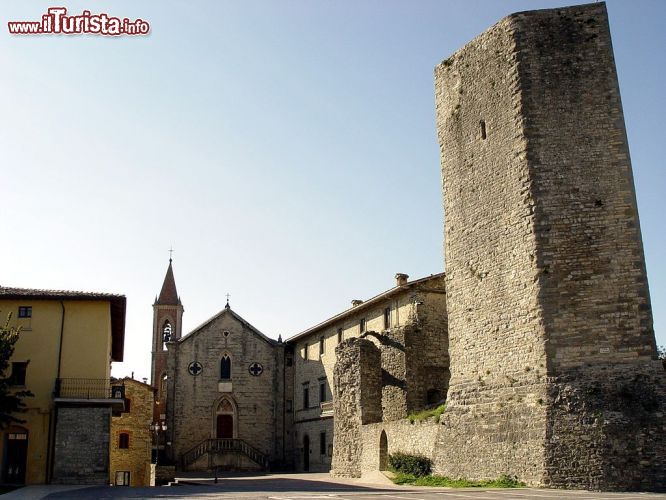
310	486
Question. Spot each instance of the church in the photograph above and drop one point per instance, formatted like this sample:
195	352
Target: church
231	397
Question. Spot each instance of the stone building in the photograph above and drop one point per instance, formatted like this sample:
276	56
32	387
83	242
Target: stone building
409	318
554	370
63	356
237	399
131	441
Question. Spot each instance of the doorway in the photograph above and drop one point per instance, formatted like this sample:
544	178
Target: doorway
225	426
306	453
383	451
17	454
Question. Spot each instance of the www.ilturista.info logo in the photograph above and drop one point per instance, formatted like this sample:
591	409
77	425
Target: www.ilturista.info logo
56	21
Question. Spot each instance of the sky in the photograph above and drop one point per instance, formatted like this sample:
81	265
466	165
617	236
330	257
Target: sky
285	150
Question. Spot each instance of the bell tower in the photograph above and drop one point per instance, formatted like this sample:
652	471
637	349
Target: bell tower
167	326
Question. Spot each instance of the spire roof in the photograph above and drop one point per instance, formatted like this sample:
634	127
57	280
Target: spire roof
168	294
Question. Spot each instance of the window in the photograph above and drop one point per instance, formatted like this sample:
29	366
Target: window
128	405
18	373
322	443
362	325
339	335
322	391
289	361
322	346
122	478
387	318
289	406
25	312
123	441
305	352
225	367
306	397
483	129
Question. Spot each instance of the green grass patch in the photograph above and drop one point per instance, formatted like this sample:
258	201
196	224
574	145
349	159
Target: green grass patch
426	414
445	482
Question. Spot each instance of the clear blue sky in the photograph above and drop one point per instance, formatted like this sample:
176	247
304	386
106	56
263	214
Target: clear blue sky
286	150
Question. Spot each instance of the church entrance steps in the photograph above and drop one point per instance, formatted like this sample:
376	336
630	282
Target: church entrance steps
227	452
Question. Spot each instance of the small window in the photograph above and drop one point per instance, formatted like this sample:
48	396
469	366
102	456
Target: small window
322	346
362	325
225	368
289	360
340	337
305	352
25	312
322	391
128	405
482	124
387	318
123	441
289	406
19	369
306	397
322	443
122	478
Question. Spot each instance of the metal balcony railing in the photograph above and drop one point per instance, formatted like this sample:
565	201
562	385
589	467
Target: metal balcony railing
84	388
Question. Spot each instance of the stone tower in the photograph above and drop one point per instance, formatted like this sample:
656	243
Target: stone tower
554	371
167	326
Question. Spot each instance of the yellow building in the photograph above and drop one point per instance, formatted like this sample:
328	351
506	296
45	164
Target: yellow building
131	445
63	356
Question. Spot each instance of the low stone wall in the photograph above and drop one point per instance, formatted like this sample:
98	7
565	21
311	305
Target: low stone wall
416	438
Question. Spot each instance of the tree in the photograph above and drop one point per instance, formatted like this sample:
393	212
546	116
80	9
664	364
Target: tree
11	401
661	352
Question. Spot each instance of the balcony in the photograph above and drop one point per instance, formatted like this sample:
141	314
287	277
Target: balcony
89	390
326	408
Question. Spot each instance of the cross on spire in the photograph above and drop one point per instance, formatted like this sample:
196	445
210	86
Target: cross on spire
170	253
228	300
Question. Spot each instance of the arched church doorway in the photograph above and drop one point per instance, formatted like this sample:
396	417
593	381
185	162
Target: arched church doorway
225	417
306	453
383	451
16	445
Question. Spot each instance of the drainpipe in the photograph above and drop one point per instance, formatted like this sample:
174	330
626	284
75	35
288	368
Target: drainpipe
53	417
62	330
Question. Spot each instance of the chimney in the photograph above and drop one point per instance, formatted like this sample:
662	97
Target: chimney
401	279
356	302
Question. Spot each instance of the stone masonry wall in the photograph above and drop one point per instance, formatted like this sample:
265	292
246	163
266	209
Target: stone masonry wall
553	363
82	445
592	276
357	401
495	418
194	399
135	422
416	438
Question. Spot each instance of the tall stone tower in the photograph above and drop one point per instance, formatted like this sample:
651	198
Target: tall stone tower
167	326
554	370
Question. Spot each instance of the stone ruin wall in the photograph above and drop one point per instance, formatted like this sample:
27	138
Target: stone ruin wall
357	383
554	375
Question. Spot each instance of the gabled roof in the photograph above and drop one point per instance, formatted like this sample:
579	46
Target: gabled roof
118	306
364	305
168	295
227	310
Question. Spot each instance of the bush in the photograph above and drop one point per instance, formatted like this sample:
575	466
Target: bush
414	465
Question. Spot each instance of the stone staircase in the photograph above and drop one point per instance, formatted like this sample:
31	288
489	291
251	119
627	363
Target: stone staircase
221	446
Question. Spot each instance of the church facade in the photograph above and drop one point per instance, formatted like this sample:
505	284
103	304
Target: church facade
231	397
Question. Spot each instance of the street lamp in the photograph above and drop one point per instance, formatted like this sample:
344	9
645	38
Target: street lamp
156	428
